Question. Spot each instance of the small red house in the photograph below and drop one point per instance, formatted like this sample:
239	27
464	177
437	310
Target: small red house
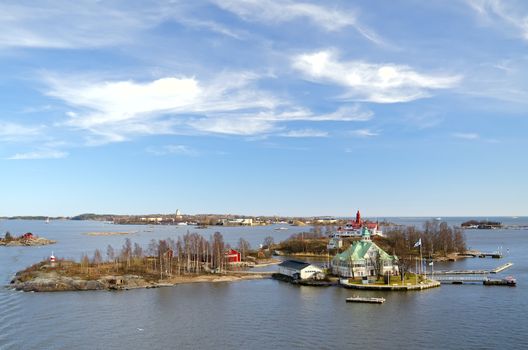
233	256
27	236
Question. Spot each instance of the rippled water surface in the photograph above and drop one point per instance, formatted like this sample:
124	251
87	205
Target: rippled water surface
260	314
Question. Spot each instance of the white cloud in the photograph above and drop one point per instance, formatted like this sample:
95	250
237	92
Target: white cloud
173	149
380	83
234	125
466	136
305	133
231	103
346	113
14	132
513	14
363	133
42	154
280	11
64	24
118	109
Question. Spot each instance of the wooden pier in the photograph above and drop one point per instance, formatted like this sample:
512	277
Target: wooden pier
509	281
502	268
476	254
475	272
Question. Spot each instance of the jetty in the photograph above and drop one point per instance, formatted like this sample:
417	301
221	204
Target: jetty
474	272
476	254
358	299
508	281
392	287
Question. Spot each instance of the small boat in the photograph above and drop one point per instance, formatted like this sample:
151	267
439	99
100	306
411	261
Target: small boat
48	220
371	300
281	228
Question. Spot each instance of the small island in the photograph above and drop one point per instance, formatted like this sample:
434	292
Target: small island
481	224
27	239
190	259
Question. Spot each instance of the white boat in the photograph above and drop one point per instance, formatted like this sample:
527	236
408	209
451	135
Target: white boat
48	220
280	228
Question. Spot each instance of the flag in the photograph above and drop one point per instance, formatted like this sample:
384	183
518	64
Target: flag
418	244
431	263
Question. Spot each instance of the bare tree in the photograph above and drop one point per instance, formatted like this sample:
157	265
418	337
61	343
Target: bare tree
218	249
244	247
97	257
268	243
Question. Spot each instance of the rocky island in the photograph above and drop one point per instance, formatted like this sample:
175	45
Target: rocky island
190	259
481	224
71	276
27	239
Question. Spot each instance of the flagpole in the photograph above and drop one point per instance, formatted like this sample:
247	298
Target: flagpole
421	258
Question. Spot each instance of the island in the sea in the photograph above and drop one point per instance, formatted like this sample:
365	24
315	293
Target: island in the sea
481	224
353	258
27	239
191	258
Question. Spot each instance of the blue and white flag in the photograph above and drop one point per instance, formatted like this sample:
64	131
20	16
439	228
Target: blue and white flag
431	263
418	244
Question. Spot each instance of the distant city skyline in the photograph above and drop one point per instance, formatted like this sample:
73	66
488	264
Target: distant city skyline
292	108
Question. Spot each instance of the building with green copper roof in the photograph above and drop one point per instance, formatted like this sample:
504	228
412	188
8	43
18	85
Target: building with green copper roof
364	258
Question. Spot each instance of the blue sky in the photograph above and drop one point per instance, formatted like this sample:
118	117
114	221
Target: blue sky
264	107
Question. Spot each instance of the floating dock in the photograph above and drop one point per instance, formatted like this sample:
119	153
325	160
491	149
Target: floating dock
475	272
502	268
475	254
508	281
357	299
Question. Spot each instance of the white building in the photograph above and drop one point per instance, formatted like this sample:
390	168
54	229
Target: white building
300	270
238	222
364	258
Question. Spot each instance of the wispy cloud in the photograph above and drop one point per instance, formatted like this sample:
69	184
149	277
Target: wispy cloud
280	11
511	14
466	135
63	24
173	149
230	103
363	133
10	131
380	83
305	133
88	23
41	154
118	109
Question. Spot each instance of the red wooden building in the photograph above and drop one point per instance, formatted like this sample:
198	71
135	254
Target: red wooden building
28	236
233	256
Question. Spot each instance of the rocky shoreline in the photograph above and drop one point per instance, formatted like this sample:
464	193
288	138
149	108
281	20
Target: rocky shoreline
27	242
46	280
